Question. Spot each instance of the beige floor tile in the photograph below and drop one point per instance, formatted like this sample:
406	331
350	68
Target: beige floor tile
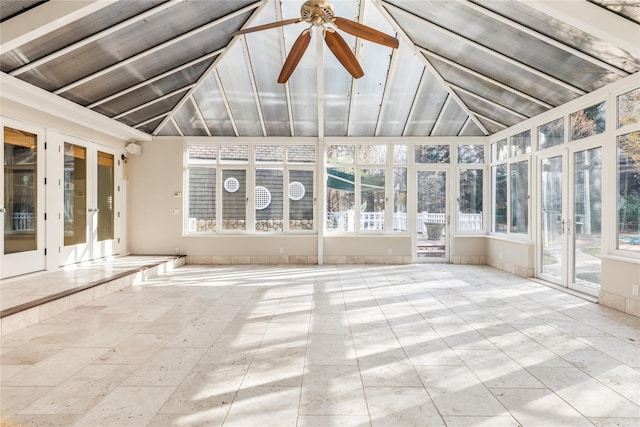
264	407
401	406
126	407
332	390
333	420
167	367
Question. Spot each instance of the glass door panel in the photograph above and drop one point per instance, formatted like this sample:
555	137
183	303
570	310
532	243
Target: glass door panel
106	197
432	215
75	194
552	219
587	218
23	228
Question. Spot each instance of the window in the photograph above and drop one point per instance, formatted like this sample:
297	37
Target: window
400	199
499	174
372	199
499	151
551	134
629	108
629	192
268	200
470	153
340	199
222	183
470	200
520	143
587	122
432	153
520	197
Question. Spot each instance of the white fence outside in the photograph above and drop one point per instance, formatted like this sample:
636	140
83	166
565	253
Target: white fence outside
345	221
23	221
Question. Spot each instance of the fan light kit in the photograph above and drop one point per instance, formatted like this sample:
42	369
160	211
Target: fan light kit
318	14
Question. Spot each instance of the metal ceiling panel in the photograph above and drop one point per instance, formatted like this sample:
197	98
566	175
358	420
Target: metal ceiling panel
265	53
152	111
487	90
148	92
491	126
211	103
472	25
118	74
73	31
565	33
150	126
405	74
478	105
11	8
428	104
482	62
234	75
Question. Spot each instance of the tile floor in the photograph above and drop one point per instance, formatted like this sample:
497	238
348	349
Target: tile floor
415	345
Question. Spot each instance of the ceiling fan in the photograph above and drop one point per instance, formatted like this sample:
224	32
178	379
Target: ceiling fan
319	13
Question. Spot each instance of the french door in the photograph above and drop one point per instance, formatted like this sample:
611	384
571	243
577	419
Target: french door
23	224
432	216
569	243
90	210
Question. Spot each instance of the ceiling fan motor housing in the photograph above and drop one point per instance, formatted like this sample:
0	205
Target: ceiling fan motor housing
317	12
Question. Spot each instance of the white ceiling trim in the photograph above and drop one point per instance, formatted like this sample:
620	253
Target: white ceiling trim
590	18
225	100
31	96
45	18
155	49
412	110
94	37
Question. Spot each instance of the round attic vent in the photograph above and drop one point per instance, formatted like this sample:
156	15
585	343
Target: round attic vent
296	190
231	185
263	198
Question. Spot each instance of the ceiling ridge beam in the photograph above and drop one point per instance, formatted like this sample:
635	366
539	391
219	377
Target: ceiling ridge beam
45	18
485	78
85	41
153	101
154	79
488	101
430	66
543	37
492	52
588	17
155	49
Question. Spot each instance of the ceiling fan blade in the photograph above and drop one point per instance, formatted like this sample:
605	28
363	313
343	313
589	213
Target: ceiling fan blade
364	32
343	53
267	26
297	50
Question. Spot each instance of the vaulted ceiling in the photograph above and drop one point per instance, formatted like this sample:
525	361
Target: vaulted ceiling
172	67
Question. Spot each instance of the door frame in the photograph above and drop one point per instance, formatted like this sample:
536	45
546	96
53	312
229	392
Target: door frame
567	279
35	260
412	207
